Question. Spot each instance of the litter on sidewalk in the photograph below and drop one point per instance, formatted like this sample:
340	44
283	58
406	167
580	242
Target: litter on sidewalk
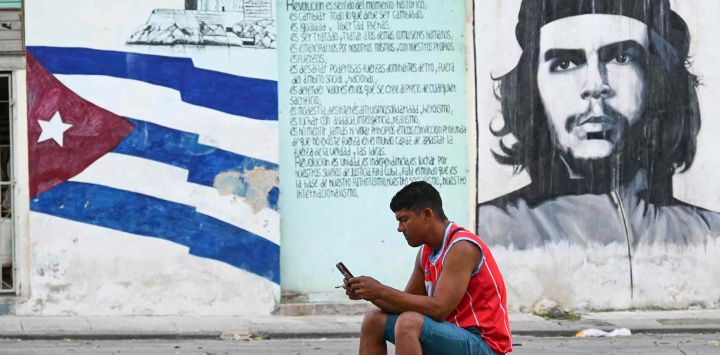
621	332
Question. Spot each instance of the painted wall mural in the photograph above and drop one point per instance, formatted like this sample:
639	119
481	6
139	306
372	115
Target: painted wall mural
231	23
599	114
171	140
372	97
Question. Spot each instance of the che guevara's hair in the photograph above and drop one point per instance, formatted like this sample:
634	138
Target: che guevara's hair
664	141
418	196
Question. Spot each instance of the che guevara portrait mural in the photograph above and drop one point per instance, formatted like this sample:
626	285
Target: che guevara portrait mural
600	111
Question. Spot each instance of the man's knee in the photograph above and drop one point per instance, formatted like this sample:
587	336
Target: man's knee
374	321
409	324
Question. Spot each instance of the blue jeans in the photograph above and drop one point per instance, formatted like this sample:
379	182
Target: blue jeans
443	338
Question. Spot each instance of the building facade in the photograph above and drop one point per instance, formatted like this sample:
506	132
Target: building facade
145	176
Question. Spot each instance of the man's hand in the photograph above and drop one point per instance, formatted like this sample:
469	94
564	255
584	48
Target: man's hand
349	292
365	287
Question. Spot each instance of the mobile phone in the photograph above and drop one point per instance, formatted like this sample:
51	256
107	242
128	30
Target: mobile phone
343	270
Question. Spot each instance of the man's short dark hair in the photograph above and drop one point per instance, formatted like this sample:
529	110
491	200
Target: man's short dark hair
416	197
665	139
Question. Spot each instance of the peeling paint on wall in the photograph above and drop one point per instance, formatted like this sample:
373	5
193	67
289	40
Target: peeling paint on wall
254	185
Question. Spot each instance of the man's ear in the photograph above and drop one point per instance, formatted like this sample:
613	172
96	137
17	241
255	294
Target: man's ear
428	214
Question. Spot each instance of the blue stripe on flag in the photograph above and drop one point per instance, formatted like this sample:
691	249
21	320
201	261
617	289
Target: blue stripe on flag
205	167
140	214
155	142
181	149
237	95
273	197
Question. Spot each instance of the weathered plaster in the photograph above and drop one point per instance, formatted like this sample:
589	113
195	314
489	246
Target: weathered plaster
254	185
596	278
114	273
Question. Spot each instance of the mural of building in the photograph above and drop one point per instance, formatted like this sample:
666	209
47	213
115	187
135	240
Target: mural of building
226	23
253	9
257	9
220	5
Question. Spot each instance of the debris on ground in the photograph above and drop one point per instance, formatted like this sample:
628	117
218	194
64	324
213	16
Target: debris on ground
621	332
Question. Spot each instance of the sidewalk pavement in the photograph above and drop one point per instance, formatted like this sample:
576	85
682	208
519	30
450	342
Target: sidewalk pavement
338	326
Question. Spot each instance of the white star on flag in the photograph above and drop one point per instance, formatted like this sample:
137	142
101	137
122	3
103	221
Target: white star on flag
53	129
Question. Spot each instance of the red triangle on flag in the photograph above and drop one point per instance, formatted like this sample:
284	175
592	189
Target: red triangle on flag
93	132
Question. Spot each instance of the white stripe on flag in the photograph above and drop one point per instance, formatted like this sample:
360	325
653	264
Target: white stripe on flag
163	106
144	176
167	182
237	211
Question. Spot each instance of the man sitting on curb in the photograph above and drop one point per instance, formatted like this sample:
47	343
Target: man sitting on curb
462	312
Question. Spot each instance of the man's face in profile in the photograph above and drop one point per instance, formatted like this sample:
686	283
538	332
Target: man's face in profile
591	81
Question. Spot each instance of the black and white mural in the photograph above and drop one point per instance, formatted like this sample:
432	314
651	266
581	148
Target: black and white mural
240	23
584	137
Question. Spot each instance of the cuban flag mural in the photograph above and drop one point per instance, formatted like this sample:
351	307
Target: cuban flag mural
151	146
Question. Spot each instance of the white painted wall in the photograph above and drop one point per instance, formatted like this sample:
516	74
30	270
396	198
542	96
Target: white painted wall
80	270
596	277
21	197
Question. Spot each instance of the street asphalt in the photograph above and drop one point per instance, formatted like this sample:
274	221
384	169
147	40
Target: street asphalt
645	344
330	326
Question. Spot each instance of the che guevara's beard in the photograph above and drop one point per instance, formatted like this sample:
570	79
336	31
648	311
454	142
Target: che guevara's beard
599	174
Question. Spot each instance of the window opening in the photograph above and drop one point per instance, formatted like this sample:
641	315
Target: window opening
7	184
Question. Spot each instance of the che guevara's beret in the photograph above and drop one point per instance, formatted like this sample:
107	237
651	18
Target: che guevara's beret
657	14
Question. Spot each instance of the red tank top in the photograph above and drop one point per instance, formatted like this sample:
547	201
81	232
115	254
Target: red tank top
484	304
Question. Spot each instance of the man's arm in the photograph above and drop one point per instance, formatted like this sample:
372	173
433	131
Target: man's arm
460	262
416	283
415	286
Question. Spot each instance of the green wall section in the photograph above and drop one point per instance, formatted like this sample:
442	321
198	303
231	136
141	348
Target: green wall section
6	4
372	96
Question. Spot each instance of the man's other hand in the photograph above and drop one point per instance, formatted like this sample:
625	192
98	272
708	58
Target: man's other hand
365	287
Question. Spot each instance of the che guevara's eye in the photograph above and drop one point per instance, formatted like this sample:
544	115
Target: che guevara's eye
562	65
623	58
623	54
